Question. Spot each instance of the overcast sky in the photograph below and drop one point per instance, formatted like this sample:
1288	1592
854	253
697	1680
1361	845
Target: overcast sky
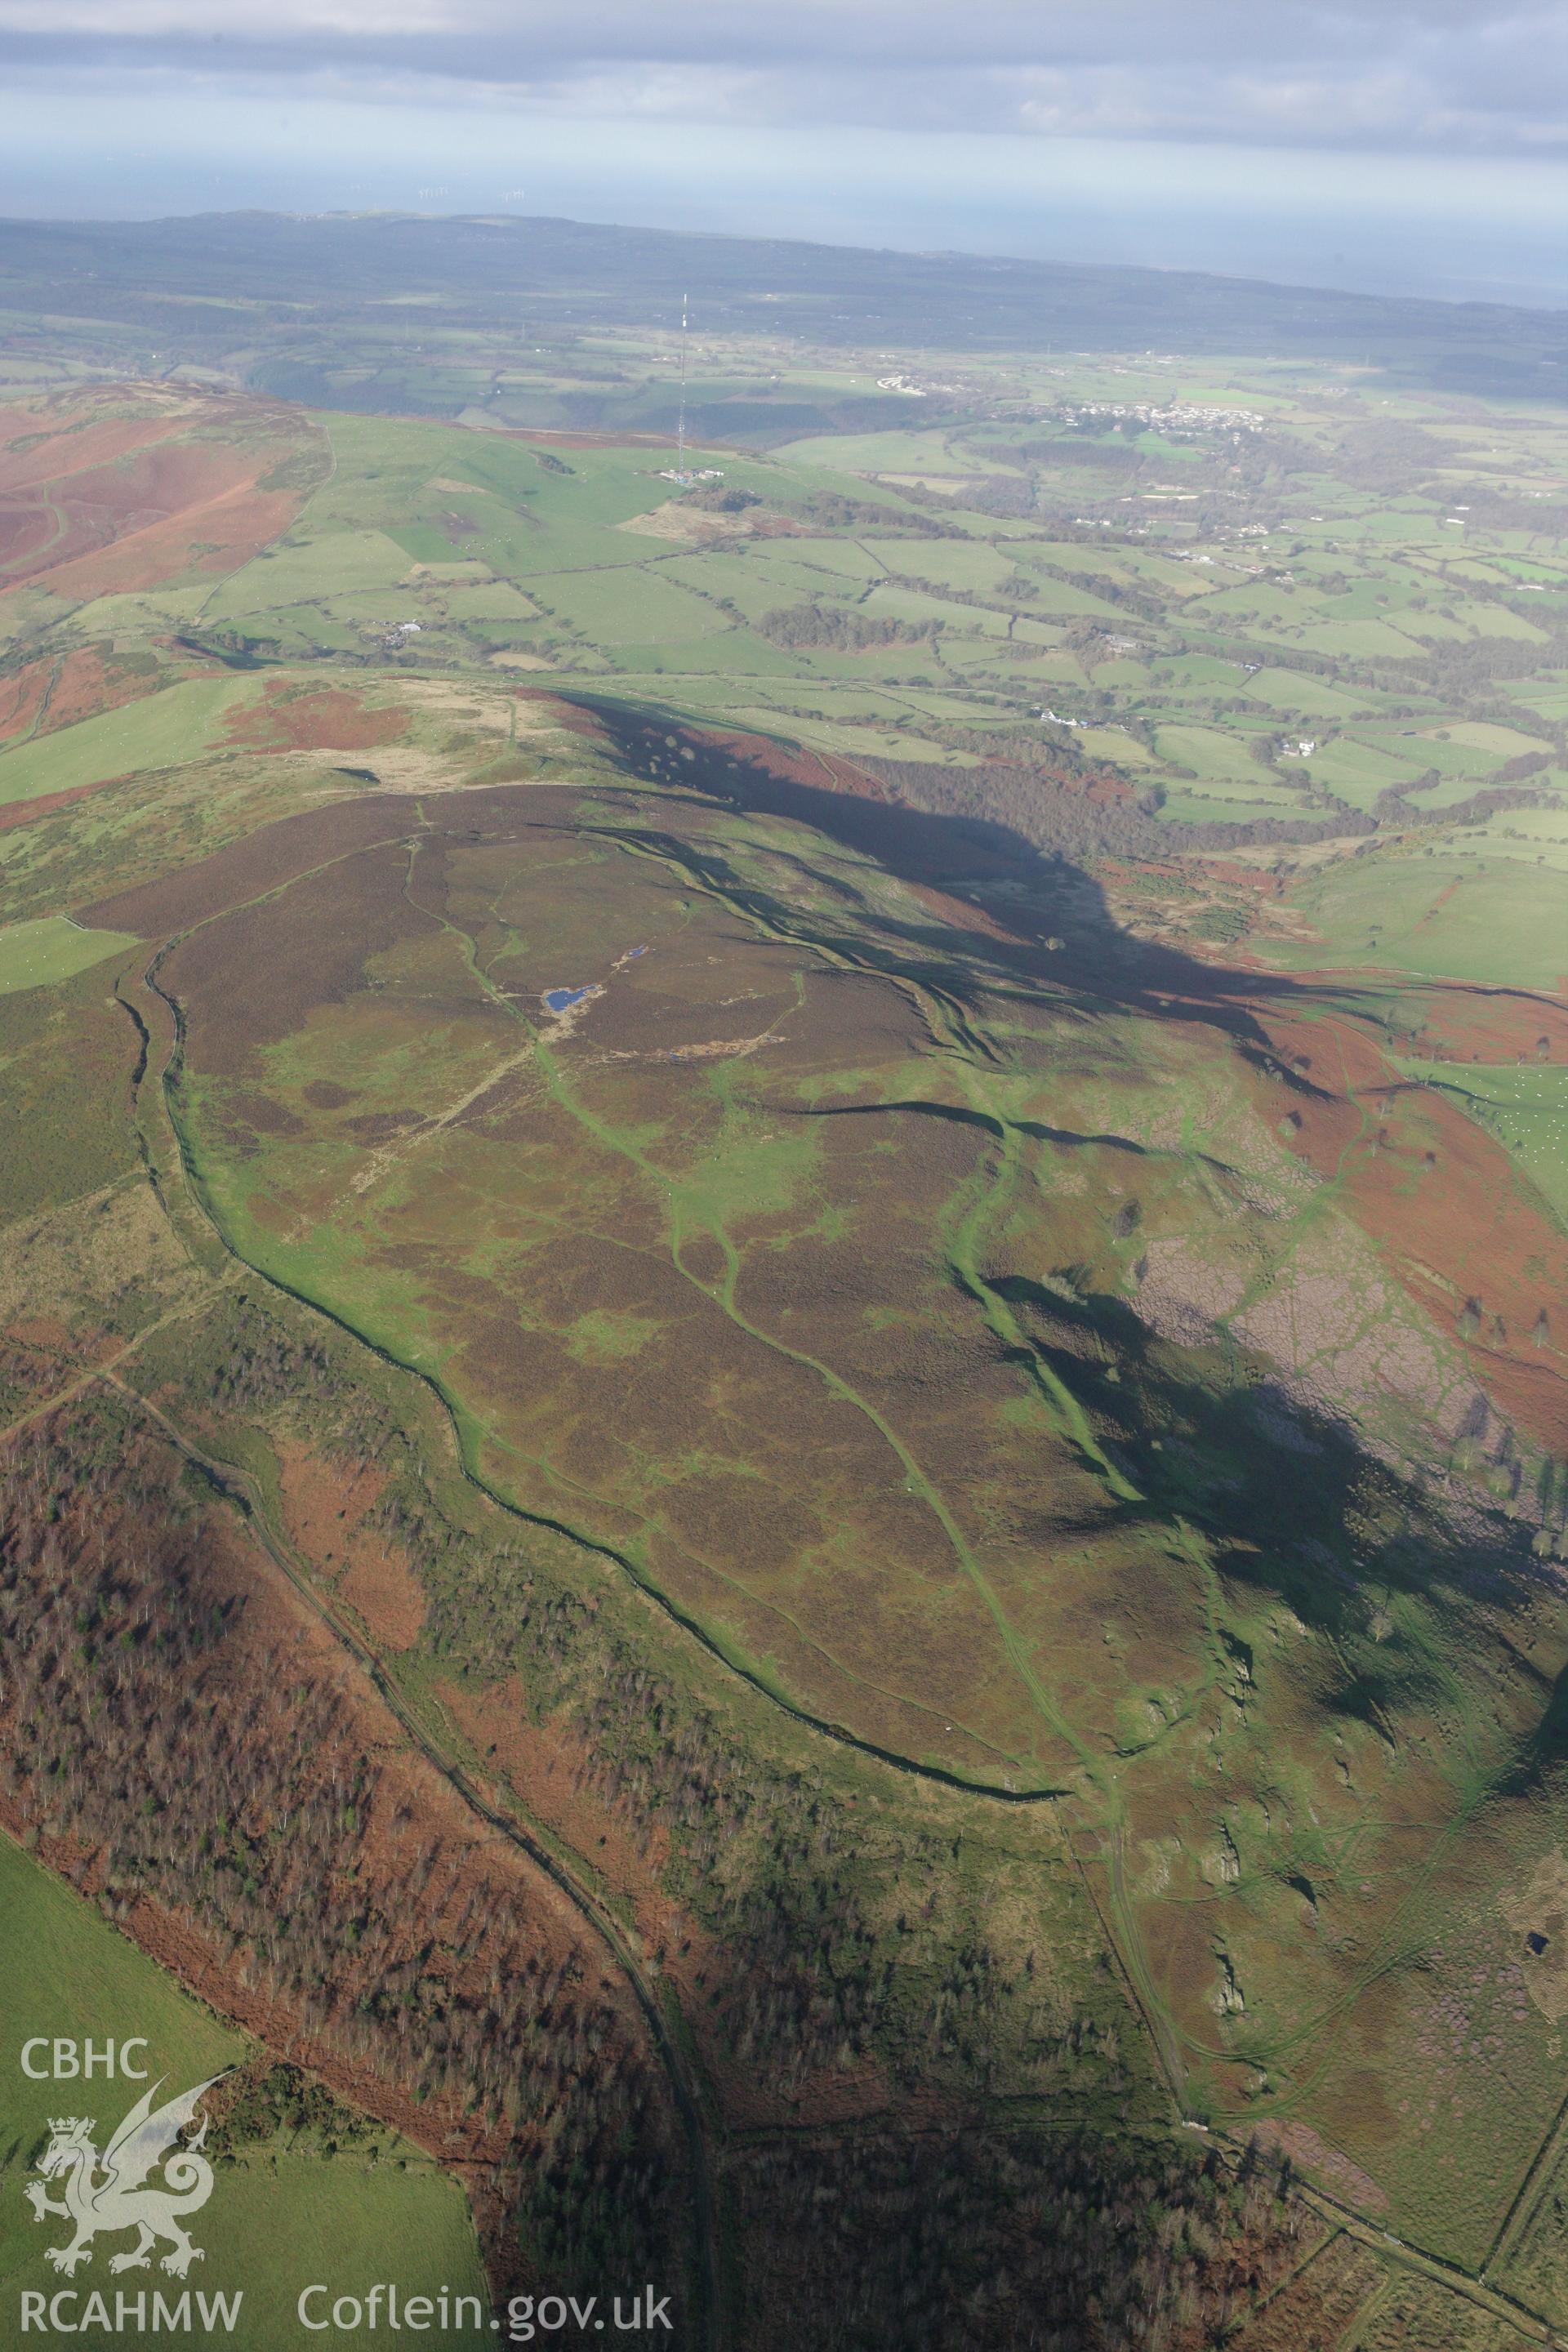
1440	125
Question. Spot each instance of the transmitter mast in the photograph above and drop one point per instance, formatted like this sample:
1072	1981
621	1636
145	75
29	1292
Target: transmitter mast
680	428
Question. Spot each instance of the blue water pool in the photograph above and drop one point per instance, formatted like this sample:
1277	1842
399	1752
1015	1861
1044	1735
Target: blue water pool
558	999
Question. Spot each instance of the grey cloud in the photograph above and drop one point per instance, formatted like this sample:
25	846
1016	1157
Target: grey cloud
1426	75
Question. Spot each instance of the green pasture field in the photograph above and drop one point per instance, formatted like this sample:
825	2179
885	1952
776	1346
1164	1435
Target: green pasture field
1459	787
163	729
1269	611
1116	745
410	481
632	605
280	2216
1523	1106
1055	598
852	558
151	613
919	607
913	452
1435	747
1356	771
1192	676
51	949
945	563
338	564
1546	698
1121	670
494	600
1535	835
1507	742
1217	803
1492	621
1474	917
733	652
779	575
1218	758
1359	640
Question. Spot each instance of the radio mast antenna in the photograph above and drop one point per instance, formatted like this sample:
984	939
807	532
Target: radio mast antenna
680	429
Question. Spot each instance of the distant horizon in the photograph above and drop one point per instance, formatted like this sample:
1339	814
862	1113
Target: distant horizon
391	211
1464	227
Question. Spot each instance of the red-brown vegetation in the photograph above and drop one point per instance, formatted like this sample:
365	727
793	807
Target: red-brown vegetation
1493	1024
20	695
44	803
48	694
328	719
49	444
204	1760
89	681
94	505
325	1509
1458	1224
25	531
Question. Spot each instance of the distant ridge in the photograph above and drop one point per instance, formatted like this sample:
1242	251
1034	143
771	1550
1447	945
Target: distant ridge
578	273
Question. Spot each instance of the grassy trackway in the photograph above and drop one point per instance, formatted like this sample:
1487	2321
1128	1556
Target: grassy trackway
180	1184
701	1218
692	1215
686	1203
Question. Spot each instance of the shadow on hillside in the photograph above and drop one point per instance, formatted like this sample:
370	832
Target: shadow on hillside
1299	1504
1016	915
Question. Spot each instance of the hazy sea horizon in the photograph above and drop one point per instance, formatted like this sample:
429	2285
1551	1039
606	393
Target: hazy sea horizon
1456	228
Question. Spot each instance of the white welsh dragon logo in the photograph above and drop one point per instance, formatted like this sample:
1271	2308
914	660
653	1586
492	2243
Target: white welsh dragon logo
119	2200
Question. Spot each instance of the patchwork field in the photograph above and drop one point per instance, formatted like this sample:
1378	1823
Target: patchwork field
1270	648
